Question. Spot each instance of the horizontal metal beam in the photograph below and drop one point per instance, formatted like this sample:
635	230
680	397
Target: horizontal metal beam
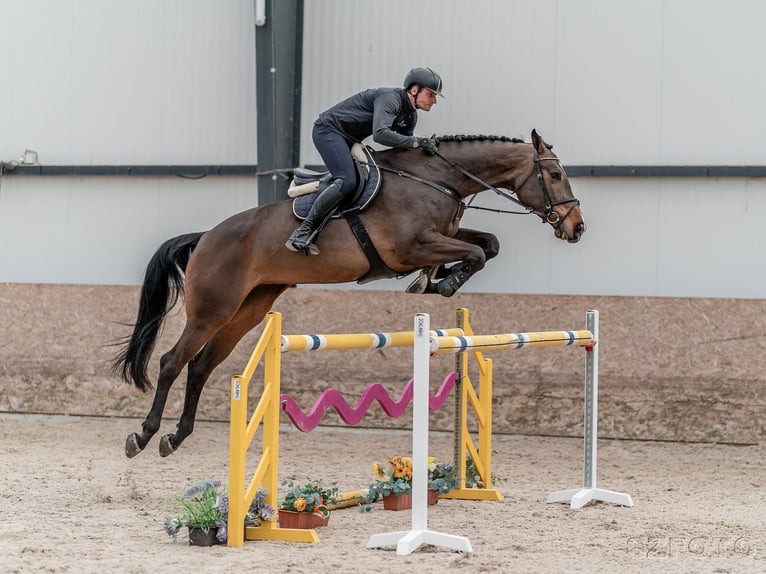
139	170
252	169
666	170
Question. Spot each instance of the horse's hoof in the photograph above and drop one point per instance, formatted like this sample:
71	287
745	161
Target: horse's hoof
166	447
418	286
132	447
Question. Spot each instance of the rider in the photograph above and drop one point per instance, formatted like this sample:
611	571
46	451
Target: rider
389	115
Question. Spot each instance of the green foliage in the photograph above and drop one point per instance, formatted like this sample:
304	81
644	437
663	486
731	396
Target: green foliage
313	496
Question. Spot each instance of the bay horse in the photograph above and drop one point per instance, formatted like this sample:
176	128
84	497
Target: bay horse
231	275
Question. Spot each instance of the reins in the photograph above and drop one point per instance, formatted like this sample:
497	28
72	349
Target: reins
445	190
549	216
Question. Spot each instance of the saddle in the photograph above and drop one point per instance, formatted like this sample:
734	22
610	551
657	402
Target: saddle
307	183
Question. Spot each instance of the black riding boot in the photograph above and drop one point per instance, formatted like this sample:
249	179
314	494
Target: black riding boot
302	238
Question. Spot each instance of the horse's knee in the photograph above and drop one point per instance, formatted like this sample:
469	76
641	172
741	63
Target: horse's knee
475	262
491	247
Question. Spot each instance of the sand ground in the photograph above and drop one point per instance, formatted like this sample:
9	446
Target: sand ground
72	502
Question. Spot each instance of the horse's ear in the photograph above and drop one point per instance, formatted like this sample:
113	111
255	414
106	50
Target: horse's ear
540	145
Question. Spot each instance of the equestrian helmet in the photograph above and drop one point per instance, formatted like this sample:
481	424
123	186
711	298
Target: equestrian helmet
425	78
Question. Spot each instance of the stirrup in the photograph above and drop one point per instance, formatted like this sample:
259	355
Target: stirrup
298	243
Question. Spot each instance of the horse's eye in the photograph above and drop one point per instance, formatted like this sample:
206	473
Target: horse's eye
556	175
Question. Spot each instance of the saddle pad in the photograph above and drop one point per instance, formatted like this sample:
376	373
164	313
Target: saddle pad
302	204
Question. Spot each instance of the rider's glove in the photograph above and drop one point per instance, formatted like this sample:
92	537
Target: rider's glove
429	145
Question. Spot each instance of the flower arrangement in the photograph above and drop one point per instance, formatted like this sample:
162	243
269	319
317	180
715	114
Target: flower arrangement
206	506
397	477
313	496
441	476
472	477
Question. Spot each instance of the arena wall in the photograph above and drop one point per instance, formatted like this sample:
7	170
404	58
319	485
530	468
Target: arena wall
680	369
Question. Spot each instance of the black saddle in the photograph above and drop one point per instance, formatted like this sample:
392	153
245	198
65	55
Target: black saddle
368	178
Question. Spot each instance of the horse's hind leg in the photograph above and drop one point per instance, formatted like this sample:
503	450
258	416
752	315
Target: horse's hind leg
252	311
171	365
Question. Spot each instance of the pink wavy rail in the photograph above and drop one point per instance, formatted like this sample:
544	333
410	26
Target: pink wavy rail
331	398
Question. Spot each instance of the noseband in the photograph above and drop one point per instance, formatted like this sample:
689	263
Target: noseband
549	216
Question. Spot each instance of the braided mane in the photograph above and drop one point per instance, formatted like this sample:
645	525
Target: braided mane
478	138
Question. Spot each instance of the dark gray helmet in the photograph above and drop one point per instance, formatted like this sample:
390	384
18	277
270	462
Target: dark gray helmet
424	77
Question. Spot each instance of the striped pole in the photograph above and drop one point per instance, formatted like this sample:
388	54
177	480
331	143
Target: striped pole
340	342
460	344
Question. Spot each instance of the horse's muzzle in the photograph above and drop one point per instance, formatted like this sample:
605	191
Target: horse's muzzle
570	233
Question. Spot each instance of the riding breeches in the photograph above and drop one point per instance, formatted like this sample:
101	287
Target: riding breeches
336	153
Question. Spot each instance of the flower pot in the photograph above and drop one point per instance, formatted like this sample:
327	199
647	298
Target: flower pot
292	519
198	537
401	502
404	501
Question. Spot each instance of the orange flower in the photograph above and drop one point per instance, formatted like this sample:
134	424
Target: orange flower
300	504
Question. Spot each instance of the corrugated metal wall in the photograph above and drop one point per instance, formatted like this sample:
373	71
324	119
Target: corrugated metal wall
95	82
656	82
644	82
100	82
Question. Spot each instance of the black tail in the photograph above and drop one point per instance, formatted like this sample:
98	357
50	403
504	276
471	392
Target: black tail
163	285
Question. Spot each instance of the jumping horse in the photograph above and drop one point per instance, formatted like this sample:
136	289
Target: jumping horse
231	275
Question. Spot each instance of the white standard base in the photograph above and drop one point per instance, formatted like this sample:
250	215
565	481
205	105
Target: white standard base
579	497
409	540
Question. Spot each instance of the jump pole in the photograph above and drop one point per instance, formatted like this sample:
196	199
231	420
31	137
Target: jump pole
579	497
407	541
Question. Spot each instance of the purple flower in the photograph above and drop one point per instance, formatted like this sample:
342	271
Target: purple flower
222	503
222	533
202	488
172	525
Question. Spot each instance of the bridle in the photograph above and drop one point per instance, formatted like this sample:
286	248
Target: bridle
548	216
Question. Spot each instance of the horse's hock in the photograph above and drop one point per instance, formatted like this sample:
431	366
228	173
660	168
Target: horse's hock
670	369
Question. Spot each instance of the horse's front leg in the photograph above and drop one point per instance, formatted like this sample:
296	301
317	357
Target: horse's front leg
488	243
468	247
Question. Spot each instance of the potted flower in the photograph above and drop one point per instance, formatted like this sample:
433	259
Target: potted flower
204	510
441	477
305	505
394	483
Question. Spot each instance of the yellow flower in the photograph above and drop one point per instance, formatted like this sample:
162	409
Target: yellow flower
300	504
378	469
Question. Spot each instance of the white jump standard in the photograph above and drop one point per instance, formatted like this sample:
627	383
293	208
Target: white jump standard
579	497
407	541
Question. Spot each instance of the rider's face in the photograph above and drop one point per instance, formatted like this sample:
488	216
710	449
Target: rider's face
425	99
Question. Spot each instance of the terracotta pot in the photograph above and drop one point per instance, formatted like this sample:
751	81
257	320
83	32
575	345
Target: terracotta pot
404	501
292	519
198	537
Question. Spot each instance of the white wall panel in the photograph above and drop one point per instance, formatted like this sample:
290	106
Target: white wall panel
140	82
712	86
609	88
103	230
